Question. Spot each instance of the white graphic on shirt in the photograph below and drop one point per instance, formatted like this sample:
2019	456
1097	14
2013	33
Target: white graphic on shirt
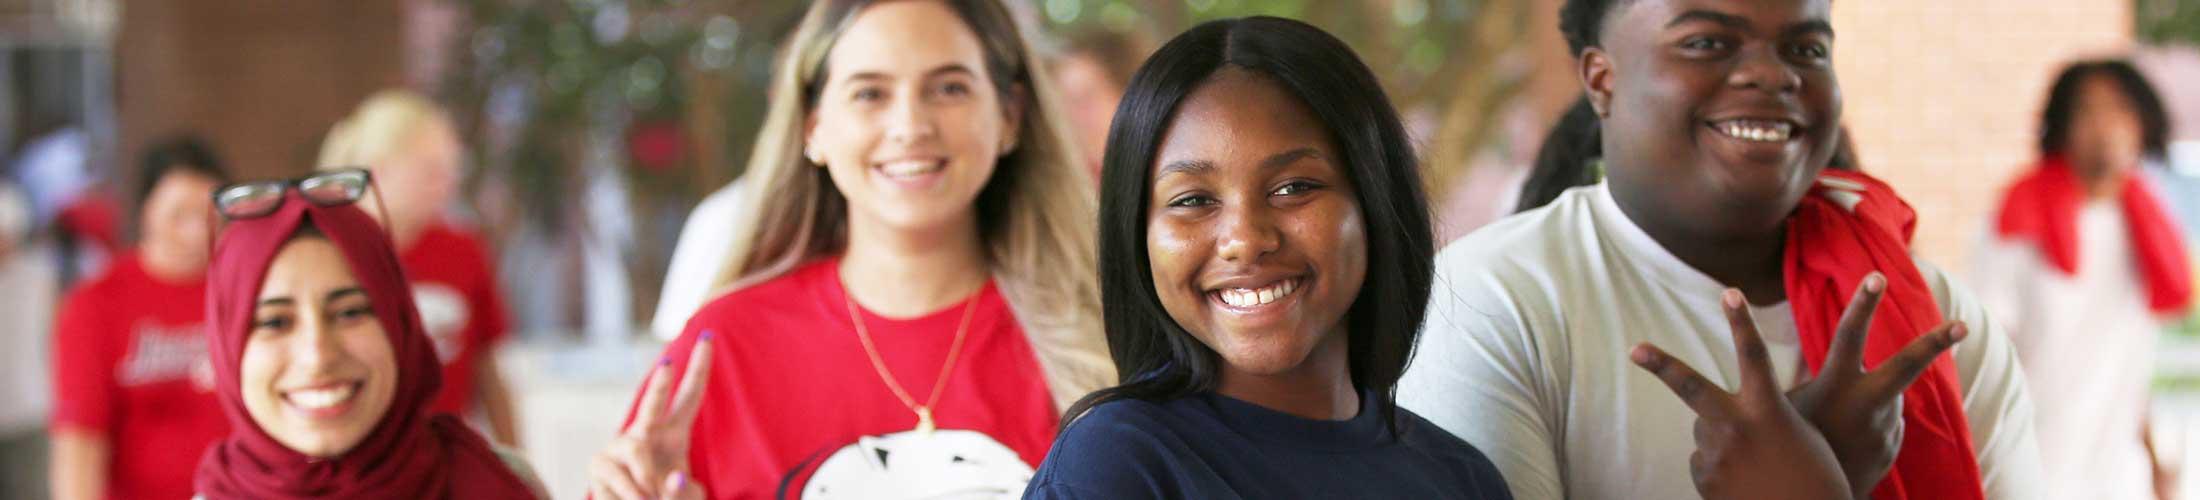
956	464
160	353
444	313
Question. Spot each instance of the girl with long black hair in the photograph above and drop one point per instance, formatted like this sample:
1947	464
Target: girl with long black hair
1264	262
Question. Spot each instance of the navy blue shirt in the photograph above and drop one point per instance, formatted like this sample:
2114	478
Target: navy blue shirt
1212	446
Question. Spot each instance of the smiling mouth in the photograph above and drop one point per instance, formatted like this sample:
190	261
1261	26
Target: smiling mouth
323	400
910	169
1765	131
1244	298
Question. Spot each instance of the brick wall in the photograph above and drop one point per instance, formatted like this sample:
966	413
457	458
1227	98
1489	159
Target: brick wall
261	79
1943	96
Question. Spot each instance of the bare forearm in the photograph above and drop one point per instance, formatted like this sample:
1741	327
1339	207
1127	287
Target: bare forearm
80	462
496	402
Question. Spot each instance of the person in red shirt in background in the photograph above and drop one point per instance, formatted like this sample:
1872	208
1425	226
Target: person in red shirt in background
414	151
134	404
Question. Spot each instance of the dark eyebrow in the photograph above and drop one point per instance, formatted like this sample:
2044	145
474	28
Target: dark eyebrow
1185	167
1287	157
1811	27
1204	166
276	301
1719	18
342	293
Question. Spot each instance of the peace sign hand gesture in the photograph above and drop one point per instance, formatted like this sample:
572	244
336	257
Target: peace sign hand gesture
1860	412
1752	443
649	460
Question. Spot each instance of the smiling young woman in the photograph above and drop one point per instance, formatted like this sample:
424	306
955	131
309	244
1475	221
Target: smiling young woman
323	365
1265	258
913	277
1718	119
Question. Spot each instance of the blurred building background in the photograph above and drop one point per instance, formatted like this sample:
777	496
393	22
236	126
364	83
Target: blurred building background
595	125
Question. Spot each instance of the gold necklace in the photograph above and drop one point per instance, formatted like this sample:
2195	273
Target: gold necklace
924	411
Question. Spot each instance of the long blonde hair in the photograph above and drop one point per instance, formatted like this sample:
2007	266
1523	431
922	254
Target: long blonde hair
1036	213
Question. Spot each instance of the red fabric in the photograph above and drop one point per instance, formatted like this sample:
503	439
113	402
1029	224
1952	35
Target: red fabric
1850	225
409	454
129	364
2042	209
93	217
789	379
455	286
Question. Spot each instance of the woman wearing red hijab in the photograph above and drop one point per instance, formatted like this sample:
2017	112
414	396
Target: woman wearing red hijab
321	363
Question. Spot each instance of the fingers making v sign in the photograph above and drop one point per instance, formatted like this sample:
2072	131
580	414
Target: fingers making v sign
1751	443
649	459
1858	411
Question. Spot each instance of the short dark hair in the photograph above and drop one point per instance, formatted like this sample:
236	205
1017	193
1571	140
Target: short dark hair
1582	21
176	154
2062	105
1155	358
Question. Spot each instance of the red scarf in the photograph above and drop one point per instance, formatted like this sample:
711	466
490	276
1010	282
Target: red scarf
409	454
2042	209
1850	225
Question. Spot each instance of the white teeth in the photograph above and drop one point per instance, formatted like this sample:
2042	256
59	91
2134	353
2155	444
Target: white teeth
911	168
1241	297
1759	131
314	399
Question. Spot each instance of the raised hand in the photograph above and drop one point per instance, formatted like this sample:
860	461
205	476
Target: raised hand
649	460
1752	443
1860	412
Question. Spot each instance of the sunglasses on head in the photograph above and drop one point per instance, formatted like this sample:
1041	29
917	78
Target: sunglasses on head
255	199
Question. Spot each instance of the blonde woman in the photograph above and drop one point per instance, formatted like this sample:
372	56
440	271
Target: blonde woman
911	300
410	145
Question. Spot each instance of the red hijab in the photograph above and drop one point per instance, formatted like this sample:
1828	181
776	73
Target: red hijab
2042	209
409	454
1850	225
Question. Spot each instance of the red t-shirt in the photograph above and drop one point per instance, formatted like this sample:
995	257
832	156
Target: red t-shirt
456	290
130	364
790	383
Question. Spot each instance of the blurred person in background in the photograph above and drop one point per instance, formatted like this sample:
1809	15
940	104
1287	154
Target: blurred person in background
27	278
913	274
322	363
699	258
1094	66
67	195
2084	266
134	406
414	151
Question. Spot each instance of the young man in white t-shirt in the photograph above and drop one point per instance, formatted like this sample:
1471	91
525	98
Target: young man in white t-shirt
1718	118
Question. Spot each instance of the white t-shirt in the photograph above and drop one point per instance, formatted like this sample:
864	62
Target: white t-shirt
2088	344
1525	356
697	259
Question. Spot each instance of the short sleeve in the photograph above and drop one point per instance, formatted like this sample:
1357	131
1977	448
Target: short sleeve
491	321
84	358
1478	375
1995	400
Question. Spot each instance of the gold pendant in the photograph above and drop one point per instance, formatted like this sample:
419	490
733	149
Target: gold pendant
924	421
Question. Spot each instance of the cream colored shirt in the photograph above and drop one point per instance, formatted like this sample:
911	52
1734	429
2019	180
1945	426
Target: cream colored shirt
1525	356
